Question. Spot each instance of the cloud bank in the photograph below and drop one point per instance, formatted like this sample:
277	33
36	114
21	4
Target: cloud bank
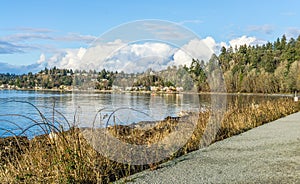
131	58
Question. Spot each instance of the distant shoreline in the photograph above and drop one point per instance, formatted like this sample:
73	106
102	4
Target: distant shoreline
152	92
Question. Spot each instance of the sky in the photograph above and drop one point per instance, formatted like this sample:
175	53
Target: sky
36	34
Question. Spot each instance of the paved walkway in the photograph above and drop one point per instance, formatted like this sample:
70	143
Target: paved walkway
266	154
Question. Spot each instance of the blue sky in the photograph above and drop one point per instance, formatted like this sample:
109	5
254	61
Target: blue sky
31	30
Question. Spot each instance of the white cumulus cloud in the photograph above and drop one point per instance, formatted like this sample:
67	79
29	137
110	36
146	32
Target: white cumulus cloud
84	58
196	48
245	40
42	59
237	42
139	57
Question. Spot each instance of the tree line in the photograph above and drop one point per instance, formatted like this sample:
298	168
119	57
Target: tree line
55	78
268	68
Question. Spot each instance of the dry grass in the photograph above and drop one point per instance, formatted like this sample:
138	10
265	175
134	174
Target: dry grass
70	159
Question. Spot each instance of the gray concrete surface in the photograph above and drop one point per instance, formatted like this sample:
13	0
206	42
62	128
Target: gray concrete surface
266	154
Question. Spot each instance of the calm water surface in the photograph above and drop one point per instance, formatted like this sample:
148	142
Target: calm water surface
22	109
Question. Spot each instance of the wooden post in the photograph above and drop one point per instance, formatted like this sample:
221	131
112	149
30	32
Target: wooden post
296	97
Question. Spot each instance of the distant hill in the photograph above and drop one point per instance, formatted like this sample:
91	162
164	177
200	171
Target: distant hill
14	69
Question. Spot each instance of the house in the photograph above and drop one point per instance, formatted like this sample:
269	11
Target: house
179	89
116	88
155	88
3	86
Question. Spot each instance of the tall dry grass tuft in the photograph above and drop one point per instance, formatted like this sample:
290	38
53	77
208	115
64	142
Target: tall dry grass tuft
66	157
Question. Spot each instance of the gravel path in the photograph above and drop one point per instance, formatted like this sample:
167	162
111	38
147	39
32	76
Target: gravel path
266	154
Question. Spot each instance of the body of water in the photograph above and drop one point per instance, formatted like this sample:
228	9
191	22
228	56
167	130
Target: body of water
29	111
